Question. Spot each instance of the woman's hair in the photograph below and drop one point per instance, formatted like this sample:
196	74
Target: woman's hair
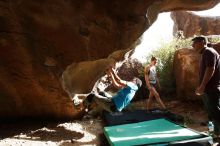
153	58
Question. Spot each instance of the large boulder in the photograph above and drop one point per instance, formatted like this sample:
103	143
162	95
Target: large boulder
41	39
186	72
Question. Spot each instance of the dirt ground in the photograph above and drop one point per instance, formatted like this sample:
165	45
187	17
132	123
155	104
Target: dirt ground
87	131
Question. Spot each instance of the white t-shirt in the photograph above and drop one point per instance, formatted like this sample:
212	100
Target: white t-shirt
152	75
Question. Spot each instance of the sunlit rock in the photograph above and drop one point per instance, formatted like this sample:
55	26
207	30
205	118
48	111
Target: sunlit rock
191	24
186	72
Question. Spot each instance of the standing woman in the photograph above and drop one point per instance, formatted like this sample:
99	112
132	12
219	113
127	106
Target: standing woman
152	82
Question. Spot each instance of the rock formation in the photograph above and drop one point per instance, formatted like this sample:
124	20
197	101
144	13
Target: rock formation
216	46
186	72
186	68
40	39
191	24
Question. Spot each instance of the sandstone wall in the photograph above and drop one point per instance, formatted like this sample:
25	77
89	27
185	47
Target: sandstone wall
191	24
186	71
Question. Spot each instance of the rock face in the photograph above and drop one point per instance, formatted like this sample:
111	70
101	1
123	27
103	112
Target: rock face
186	72
191	24
39	39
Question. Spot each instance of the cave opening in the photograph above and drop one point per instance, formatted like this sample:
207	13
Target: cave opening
159	33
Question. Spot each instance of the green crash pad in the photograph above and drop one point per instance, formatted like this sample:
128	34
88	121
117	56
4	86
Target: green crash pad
153	132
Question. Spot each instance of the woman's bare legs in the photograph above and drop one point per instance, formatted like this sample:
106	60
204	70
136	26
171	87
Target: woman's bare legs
149	101
154	93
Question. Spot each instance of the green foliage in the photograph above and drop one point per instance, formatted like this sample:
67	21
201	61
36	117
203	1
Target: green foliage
213	39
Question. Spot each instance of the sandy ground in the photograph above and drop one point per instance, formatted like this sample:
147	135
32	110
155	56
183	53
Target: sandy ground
88	131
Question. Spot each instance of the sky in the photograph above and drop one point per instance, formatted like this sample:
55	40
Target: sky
161	31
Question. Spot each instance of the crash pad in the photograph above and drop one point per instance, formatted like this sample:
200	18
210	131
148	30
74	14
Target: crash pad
153	132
